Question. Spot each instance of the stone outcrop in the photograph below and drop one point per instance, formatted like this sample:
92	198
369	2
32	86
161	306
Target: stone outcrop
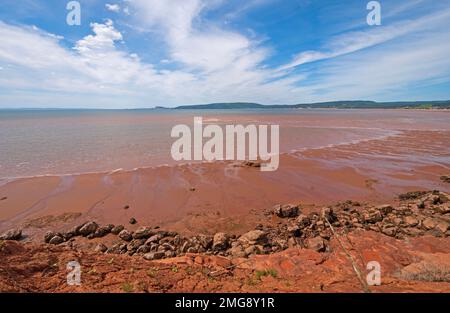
416	214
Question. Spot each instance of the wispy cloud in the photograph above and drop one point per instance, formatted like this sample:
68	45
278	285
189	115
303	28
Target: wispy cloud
207	62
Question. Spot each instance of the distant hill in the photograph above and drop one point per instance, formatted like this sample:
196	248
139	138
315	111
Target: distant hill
333	104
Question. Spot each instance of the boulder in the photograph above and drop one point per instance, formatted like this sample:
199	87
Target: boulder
143	249
13	234
429	223
49	235
328	214
303	221
132	221
70	233
294	230
253	237
410	221
56	240
389	230
317	244
117	229
205	241
286	210
153	239
237	251
101	248
88	228
372	217
102	231
220	241
169	254
117	248
154	255
135	244
142	232
125	235
442	226
385	209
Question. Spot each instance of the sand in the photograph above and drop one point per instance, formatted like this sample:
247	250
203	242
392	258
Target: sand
218	195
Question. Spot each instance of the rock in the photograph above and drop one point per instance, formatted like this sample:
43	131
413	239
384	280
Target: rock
385	209
252	164
442	226
142	232
154	255
237	251
412	195
153	239
389	231
167	246
220	241
116	248
88	228
317	244
372	217
192	250
442	209
132	221
294	230
117	229
303	221
143	249
251	250
169	254
126	207
410	221
328	214
429	223
135	244
205	241
49	235
56	240
286	210
102	231
101	248
125	235
253	237
13	234
69	234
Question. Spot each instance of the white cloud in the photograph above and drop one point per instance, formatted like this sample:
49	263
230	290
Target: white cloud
354	41
104	37
113	7
207	63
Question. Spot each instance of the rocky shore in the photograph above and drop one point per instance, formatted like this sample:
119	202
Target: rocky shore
417	214
293	251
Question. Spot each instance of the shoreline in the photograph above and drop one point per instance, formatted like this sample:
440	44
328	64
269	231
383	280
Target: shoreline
290	250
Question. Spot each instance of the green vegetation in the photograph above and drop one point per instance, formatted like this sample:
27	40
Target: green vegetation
127	287
267	272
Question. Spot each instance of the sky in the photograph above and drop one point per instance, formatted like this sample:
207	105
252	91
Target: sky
146	53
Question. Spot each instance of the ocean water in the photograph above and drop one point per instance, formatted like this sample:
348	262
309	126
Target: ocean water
56	142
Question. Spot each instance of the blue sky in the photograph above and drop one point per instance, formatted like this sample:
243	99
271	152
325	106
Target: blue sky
145	53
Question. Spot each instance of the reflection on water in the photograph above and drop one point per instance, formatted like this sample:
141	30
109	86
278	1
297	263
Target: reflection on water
38	142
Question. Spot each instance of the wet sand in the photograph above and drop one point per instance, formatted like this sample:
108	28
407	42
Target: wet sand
207	195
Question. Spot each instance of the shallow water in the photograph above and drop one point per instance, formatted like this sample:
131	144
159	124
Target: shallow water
40	142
